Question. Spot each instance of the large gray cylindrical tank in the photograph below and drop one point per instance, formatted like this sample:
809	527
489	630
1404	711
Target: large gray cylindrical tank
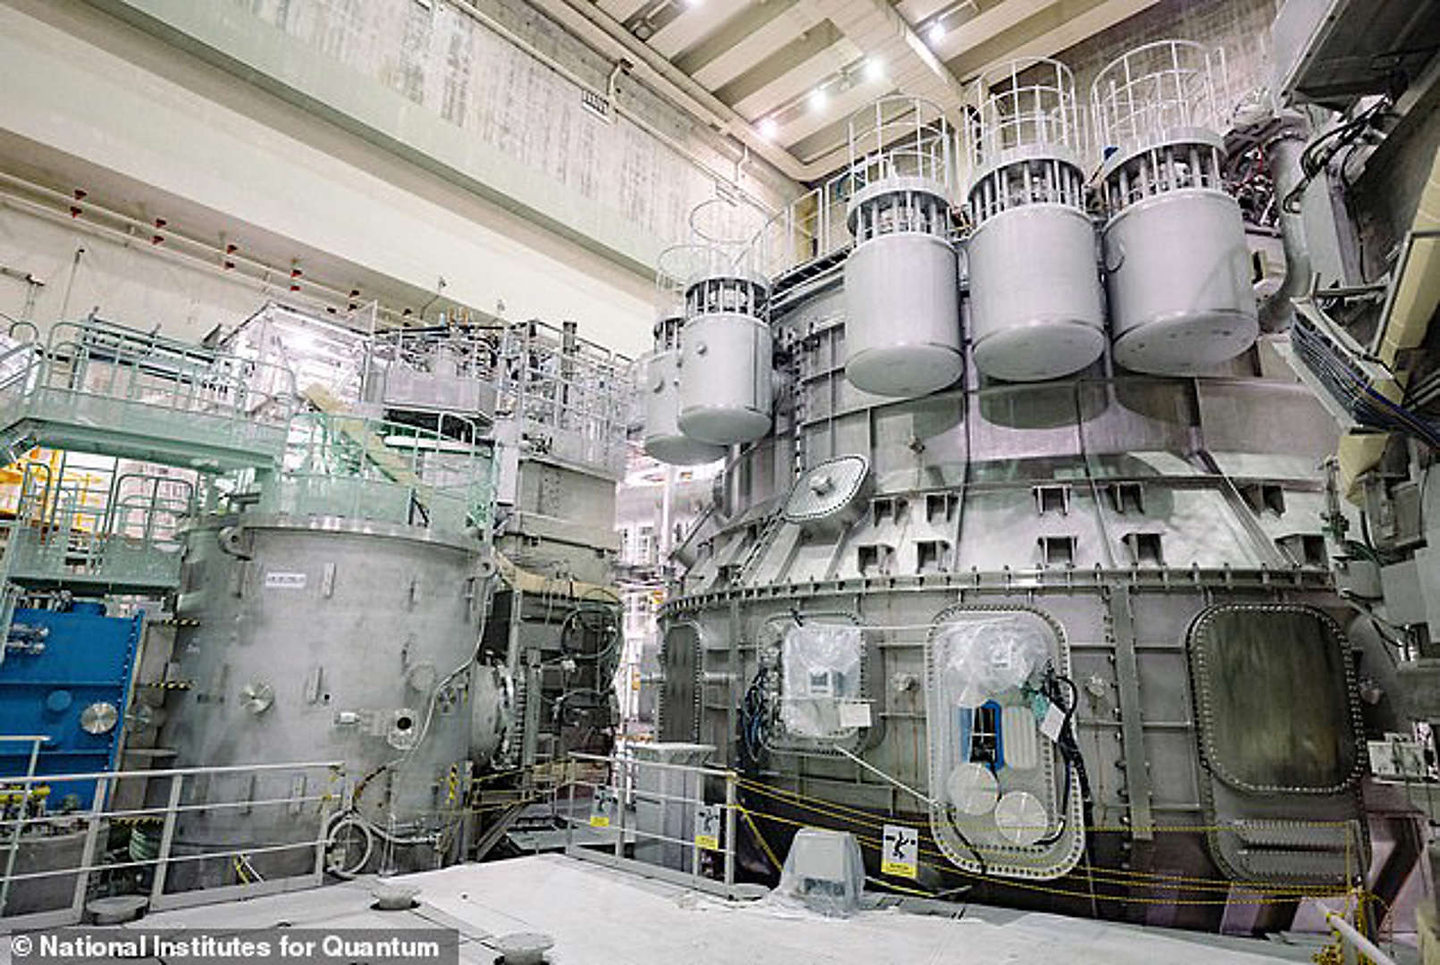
1036	309
1176	262
902	315
726	389
325	639
663	439
1178	274
1035	300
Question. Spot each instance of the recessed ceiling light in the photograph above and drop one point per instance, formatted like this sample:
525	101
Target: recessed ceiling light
818	99
874	69
768	127
936	32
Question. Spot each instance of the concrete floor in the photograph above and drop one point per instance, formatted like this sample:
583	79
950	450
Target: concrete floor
600	916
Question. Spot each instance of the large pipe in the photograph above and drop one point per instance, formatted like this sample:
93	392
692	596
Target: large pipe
1282	154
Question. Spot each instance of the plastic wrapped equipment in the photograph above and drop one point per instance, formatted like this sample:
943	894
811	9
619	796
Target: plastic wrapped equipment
820	672
981	659
824	871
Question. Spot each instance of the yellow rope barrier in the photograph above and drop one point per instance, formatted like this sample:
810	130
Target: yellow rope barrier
1263	893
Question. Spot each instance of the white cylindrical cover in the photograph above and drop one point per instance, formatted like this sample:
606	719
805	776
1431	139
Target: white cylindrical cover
902	321
1035	302
725	388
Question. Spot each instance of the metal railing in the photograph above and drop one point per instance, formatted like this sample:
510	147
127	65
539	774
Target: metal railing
1148	94
337	464
124	532
628	806
571	396
807	229
1028	103
120	389
35	829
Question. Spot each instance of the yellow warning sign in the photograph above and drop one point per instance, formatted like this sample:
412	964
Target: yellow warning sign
601	808
707	826
901	854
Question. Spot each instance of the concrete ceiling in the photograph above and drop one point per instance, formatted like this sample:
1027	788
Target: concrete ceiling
765	59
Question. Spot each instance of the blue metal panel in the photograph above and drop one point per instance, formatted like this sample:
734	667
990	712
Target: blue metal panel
56	665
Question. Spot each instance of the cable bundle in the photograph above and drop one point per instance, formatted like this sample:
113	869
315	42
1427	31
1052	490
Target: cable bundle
1340	373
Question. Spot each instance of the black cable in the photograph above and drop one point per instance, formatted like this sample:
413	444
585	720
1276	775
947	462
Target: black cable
1051	690
1311	164
974	851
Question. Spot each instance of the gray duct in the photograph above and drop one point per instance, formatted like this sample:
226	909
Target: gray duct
1282	154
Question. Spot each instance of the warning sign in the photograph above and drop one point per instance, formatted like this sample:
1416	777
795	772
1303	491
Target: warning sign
601	809
901	854
707	826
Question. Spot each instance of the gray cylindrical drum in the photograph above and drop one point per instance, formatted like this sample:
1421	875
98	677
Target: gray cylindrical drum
1035	296
902	315
663	439
325	639
1179	282
725	394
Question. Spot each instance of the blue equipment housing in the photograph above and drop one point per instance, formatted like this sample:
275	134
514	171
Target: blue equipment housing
58	663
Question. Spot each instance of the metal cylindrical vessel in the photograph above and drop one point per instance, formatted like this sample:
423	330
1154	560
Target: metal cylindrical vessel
902	301
1035	302
660	382
1035	294
1177	265
321	639
725	358
1178	271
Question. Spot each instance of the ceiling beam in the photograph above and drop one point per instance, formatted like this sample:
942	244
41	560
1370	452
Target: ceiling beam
1004	16
798	51
623	10
1054	31
747	39
839	108
798	79
693	24
880	32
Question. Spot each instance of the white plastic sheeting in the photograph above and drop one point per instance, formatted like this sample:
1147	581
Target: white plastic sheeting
982	659
821	673
825	871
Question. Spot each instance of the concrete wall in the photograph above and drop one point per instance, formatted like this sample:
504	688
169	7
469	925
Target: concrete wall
440	57
446	191
1241	28
75	271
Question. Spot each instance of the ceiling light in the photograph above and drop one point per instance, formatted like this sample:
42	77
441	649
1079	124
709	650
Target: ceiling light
693	3
818	99
768	127
935	33
874	69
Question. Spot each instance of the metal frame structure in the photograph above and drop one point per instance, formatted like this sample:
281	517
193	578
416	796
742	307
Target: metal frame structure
623	769
101	388
101	815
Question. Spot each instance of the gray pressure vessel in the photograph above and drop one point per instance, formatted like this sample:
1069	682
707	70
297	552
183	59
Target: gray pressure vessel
1178	271
1176	261
726	390
1035	300
902	330
660	382
1036	308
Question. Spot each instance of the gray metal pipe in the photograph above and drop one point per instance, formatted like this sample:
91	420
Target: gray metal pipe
1282	154
1359	942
